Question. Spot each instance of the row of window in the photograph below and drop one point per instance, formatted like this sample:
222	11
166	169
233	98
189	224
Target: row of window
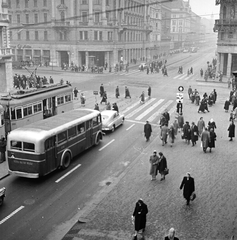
61	137
27	18
27	34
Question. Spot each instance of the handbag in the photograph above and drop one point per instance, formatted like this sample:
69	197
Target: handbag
193	196
166	171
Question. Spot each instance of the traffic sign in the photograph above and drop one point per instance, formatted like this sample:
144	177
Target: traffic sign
95	92
179	97
181	88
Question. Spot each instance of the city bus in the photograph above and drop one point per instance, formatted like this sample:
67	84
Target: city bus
27	106
40	148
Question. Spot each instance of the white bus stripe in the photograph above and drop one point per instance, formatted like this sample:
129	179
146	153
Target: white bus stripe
65	175
130	127
11	215
106	145
140	108
151	118
149	109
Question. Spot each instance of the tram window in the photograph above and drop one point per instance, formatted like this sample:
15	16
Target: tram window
62	136
37	107
60	100
16	145
13	114
18	113
81	128
27	111
72	132
68	98
29	147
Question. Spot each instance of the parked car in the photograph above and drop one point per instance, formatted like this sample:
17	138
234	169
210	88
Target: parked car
144	65
111	119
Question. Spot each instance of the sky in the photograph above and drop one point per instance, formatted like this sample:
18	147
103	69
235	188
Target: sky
204	8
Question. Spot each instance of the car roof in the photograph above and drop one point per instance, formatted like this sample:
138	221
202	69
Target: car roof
108	112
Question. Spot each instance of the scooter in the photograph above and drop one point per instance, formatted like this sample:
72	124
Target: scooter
2	195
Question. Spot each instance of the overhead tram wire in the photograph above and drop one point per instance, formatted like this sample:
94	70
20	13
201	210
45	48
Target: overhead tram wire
28	26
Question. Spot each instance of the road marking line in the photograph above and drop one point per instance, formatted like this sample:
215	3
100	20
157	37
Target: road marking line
106	145
132	106
183	76
65	175
177	76
149	109
140	108
172	110
133	121
130	127
153	117
11	215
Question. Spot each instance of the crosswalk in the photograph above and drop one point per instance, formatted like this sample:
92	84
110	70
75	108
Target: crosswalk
150	111
184	76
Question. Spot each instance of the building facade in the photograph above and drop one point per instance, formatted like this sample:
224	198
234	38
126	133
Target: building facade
226	26
5	50
83	32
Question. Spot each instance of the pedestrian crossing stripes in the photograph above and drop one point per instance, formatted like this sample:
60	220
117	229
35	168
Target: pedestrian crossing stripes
183	76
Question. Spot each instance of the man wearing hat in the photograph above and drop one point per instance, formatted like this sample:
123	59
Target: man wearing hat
154	161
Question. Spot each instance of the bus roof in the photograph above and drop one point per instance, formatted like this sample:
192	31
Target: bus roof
51	126
34	95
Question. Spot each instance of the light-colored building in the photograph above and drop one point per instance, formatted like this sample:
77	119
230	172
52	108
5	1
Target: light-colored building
226	26
85	32
5	50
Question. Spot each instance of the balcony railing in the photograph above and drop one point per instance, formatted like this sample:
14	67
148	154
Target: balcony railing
61	23
5	52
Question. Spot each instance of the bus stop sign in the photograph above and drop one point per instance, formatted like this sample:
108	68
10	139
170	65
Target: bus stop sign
181	88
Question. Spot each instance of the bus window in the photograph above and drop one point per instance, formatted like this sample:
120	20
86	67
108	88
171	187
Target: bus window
18	113
81	128
68	98
49	143
62	136
95	121
29	147
72	132
13	114
27	111
16	145
60	100
88	124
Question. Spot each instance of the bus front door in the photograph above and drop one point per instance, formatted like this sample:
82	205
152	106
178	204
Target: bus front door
50	155
89	134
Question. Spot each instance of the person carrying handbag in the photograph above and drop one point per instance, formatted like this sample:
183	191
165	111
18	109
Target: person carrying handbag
162	166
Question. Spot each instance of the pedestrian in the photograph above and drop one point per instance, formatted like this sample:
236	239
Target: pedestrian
194	134
127	93
215	95
115	107
176	126
102	90
232	115
3	144
108	106
147	130
211	124
142	97
205	138
149	91
187	132
171	135
104	98
180	121
231	130
83	100
188	187
162	166
154	161
227	105
97	107
201	126
191	70
139	218
164	133
167	116
212	139
189	91
75	93
117	92
179	107
171	235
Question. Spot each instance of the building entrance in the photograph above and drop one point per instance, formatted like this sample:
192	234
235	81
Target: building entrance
64	58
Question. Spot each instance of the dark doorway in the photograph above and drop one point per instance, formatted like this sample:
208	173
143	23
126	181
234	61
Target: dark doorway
64	58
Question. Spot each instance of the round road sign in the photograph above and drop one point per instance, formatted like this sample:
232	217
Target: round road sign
181	88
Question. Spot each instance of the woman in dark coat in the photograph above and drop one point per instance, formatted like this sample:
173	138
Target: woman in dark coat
227	105
187	132
188	187
211	124
162	165
139	217
194	133
211	143
147	130
231	130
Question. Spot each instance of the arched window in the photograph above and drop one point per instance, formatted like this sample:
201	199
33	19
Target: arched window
62	16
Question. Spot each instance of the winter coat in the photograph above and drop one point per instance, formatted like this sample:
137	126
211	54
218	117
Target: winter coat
180	121
188	187
147	130
227	104
231	130
194	133
212	139
162	164
139	214
205	138
154	161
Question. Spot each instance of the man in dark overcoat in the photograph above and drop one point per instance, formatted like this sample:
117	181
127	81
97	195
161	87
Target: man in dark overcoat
102	90
194	133
139	217
188	187
231	130
162	165
212	139
147	130
205	138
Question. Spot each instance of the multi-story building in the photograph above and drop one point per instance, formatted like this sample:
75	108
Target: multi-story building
226	26
85	32
5	50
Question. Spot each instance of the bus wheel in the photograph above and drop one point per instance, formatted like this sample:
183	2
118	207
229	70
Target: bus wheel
97	139
66	160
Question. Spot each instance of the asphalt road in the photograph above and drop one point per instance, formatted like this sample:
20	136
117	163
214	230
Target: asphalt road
45	204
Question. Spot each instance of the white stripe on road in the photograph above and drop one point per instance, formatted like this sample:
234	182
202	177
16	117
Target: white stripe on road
132	106
106	145
133	121
153	117
65	175
11	215
172	110
140	108
177	76
130	127
183	76
149	110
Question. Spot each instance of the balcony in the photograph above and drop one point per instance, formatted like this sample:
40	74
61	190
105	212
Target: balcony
225	25
5	52
61	24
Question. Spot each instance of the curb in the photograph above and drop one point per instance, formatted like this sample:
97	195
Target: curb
1	178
